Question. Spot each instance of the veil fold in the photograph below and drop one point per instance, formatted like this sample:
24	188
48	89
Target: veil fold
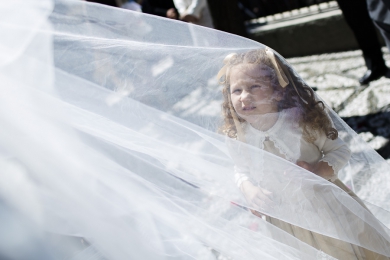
109	147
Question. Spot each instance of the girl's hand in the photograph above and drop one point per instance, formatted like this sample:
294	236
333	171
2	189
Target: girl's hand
189	18
171	13
256	213
322	169
256	196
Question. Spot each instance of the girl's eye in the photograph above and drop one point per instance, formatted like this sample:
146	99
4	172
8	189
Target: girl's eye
262	87
236	91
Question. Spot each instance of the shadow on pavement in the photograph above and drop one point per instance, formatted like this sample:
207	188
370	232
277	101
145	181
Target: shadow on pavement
378	124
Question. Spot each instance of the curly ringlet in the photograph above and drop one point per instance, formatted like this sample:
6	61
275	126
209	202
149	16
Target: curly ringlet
312	115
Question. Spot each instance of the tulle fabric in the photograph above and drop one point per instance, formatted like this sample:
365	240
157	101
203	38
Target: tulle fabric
109	134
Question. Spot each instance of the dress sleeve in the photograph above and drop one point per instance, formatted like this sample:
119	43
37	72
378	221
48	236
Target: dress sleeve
194	8
240	175
335	152
180	6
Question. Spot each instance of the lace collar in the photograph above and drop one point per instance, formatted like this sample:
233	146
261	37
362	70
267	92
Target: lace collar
272	129
285	134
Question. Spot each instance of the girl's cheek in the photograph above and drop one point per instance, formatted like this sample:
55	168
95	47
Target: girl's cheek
235	104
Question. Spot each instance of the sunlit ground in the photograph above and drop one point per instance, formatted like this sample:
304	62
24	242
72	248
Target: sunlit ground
365	108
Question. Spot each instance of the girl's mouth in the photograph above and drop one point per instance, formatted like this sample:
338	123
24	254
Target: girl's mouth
249	108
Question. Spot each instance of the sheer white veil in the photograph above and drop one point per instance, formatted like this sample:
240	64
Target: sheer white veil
109	137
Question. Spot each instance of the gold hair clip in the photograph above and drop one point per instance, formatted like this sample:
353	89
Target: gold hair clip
282	78
283	81
222	71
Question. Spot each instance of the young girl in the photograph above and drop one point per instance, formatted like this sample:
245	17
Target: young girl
267	106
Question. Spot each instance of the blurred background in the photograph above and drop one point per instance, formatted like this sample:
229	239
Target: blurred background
334	45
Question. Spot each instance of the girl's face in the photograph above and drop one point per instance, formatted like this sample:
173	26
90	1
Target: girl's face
251	91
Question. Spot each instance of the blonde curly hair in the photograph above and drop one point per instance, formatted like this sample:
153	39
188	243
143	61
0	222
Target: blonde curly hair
312	115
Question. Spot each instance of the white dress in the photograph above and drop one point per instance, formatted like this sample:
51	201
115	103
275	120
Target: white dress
285	139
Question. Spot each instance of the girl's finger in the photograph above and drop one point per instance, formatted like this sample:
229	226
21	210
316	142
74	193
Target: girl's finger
304	165
266	192
263	200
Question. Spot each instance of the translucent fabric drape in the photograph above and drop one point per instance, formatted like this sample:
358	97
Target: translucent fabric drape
109	134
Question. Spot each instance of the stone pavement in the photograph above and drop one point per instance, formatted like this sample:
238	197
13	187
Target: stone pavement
365	108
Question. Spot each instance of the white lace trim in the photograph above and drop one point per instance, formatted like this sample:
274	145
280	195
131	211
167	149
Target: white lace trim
240	178
260	140
281	147
330	162
281	150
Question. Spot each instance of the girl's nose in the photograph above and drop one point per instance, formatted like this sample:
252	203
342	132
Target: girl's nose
245	96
